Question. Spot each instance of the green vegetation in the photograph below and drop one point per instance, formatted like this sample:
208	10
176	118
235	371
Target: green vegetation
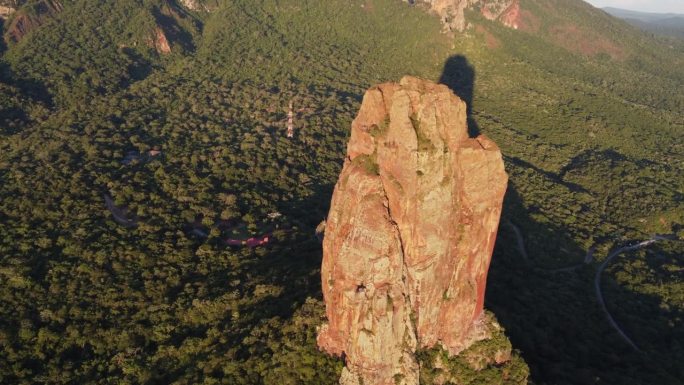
489	361
424	143
368	163
592	144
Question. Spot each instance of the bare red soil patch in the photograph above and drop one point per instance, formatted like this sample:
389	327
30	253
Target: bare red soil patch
575	39
491	40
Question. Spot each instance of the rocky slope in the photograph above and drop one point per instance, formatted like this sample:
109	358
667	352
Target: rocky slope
31	17
410	233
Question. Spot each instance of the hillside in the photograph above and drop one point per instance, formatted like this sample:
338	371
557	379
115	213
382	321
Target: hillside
140	139
668	24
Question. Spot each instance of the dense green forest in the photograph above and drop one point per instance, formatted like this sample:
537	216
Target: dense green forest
126	168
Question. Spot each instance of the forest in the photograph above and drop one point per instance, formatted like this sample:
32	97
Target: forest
133	178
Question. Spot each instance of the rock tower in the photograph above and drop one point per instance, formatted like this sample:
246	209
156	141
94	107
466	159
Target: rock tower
410	233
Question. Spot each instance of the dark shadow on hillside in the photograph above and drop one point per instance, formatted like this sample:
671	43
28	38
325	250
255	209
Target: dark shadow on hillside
608	156
554	318
31	88
139	68
3	45
556	178
459	75
291	262
25	92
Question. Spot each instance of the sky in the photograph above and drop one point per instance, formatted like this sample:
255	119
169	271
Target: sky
660	6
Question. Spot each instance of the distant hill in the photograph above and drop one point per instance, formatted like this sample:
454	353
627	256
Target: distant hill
669	24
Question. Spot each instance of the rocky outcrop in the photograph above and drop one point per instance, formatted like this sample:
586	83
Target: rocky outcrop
452	12
31	17
6	11
159	42
505	11
199	5
410	233
193	5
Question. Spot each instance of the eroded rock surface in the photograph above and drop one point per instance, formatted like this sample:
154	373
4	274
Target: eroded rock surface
410	233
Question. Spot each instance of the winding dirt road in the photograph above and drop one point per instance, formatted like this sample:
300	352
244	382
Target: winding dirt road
597	284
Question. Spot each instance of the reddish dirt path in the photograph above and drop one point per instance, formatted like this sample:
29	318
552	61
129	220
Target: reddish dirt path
599	293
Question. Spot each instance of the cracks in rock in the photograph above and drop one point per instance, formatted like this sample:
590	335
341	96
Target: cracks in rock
404	271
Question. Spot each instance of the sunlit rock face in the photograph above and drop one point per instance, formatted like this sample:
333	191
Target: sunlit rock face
200	5
452	12
410	233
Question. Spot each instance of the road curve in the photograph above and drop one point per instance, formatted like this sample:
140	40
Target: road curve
599	293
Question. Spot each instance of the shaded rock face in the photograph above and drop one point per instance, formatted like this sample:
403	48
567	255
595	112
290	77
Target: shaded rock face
452	12
410	233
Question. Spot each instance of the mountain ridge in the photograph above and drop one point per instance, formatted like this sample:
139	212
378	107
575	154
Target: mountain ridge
668	24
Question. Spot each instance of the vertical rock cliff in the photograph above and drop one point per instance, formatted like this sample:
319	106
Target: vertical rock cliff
410	233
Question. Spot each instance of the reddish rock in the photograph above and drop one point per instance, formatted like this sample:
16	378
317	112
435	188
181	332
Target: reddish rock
452	12
512	15
410	233
160	42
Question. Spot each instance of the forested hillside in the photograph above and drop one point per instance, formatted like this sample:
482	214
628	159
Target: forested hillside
143	144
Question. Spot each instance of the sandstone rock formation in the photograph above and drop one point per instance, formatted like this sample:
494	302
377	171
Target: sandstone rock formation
452	12
410	233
